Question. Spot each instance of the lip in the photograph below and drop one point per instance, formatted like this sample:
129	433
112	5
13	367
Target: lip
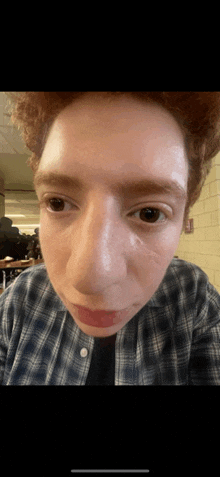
97	311
99	318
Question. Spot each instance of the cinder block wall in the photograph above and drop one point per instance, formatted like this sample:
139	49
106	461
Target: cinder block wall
202	247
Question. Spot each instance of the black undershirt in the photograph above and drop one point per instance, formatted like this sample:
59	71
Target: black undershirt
102	367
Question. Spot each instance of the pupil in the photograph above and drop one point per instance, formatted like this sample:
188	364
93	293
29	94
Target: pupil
56	203
149	214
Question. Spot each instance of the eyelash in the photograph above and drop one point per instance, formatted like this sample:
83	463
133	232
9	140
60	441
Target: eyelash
46	202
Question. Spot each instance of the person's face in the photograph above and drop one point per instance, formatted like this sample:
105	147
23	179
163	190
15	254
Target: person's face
106	247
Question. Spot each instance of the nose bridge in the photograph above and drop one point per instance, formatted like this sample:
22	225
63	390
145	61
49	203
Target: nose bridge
97	246
98	227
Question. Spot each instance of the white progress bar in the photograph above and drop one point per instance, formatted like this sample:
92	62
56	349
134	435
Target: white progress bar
112	470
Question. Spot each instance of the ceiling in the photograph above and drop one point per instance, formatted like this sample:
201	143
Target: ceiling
21	204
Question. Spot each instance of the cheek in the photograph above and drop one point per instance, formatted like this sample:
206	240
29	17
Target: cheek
55	252
54	243
166	244
157	245
152	256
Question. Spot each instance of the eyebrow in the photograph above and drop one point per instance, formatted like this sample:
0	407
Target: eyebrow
131	188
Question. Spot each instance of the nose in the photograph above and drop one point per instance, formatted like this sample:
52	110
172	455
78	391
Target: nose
98	238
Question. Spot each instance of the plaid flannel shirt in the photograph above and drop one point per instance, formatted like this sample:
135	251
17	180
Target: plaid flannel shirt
173	340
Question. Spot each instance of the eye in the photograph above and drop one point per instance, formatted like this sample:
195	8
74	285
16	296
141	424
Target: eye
55	204
150	215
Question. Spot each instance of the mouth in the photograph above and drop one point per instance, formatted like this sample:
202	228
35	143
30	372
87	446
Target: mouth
99	318
96	311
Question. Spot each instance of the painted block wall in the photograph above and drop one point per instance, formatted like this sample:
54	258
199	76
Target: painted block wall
202	247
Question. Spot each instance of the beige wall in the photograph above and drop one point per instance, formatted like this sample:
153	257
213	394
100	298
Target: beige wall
202	247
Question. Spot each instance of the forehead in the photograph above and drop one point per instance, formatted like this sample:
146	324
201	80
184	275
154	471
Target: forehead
97	113
111	137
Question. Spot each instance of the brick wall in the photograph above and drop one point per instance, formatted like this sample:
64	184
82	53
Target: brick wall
202	247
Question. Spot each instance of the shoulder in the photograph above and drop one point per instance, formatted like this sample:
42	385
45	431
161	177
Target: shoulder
188	270
36	272
33	278
31	287
190	279
185	274
186	282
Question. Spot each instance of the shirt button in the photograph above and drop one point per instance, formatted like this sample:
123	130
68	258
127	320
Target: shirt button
83	352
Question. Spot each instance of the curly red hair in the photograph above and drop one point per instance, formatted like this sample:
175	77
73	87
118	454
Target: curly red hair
197	113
